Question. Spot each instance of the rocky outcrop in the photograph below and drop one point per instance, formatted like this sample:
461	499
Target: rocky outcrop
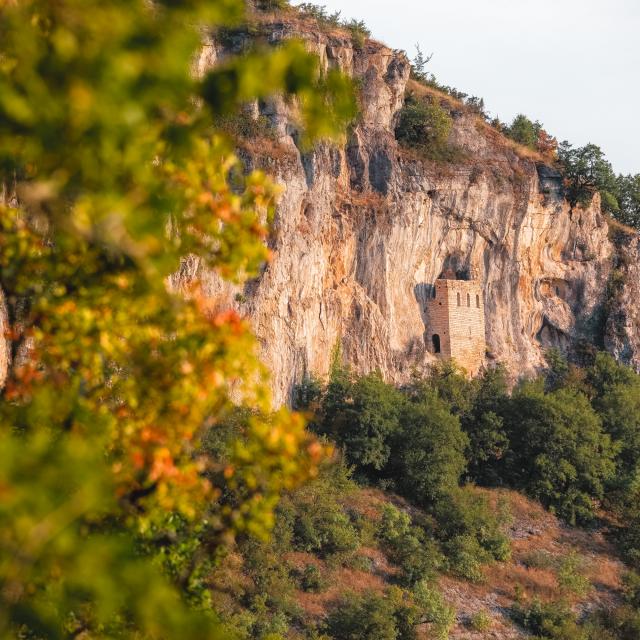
622	329
364	229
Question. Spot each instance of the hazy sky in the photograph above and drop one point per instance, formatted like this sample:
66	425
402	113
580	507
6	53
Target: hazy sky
572	64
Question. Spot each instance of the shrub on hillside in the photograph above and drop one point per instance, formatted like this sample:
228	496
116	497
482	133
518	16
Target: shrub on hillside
358	29
366	617
318	520
548	621
244	126
395	615
425	127
621	623
480	621
470	532
272	5
312	580
408	546
571	577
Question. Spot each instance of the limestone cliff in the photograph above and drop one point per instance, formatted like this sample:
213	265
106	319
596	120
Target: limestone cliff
364	229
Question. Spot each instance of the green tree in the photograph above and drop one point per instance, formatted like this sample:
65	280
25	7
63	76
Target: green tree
424	126
616	398
430	449
111	147
484	425
524	131
419	66
559	452
628	193
361	415
587	171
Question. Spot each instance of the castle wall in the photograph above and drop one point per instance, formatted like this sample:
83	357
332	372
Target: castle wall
438	319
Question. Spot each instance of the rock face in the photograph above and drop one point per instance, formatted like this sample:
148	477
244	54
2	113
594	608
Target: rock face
622	334
364	229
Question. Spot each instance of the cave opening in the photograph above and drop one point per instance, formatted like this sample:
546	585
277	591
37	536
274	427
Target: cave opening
455	267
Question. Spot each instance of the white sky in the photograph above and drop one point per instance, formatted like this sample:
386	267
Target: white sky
572	64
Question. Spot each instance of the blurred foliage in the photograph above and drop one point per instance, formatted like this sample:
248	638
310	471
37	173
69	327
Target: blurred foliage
113	169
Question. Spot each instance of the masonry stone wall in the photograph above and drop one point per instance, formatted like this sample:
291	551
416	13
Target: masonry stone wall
455	316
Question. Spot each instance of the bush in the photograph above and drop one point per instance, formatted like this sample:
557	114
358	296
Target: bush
621	623
470	532
570	576
408	546
366	617
539	559
358	29
272	5
392	616
312	580
480	621
631	590
434	611
466	557
424	127
320	523
548	621
244	126
359	32
319	13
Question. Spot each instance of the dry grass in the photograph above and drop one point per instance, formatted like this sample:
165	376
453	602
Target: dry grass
535	531
540	543
341	580
617	228
494	136
520	150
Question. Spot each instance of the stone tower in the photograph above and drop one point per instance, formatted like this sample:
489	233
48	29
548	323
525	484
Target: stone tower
455	328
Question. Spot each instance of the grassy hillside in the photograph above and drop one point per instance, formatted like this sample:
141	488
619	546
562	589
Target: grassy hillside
429	520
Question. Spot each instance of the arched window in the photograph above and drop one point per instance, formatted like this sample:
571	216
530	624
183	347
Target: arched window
435	339
478	301
458	299
468	299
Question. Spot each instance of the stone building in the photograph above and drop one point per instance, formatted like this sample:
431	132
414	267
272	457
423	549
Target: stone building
455	317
